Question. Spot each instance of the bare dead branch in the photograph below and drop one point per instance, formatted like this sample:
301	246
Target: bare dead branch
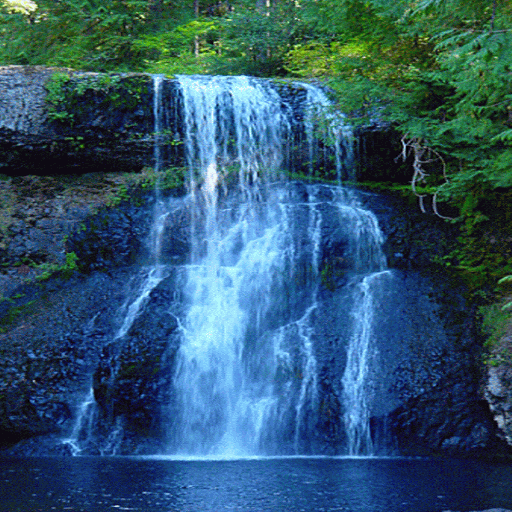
423	155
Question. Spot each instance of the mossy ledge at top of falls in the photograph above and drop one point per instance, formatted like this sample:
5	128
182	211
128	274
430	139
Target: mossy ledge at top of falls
60	121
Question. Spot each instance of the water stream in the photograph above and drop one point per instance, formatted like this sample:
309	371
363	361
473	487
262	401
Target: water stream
236	343
83	430
246	376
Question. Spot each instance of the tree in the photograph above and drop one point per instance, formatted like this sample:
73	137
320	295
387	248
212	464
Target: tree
84	34
256	36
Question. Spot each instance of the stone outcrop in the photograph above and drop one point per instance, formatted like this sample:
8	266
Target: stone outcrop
498	386
78	122
22	100
442	371
56	121
429	392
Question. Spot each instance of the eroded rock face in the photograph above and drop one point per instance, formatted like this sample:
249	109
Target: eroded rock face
87	123
440	371
56	333
427	393
70	121
498	393
22	100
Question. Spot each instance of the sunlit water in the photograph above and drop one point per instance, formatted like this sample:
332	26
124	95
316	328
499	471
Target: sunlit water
281	484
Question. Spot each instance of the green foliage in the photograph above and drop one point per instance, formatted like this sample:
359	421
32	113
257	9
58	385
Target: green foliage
137	184
256	37
56	97
439	71
495	323
69	94
14	313
65	270
187	48
82	34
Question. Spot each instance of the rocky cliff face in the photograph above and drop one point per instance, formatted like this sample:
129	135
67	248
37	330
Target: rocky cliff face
56	121
22	102
430	377
498	386
91	122
56	339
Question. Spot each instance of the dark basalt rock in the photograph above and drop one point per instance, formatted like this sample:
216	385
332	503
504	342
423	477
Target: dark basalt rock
132	382
426	377
70	121
96	123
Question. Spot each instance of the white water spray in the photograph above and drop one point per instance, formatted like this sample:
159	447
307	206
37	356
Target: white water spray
243	254
83	428
321	121
356	392
235	131
246	375
369	264
158	81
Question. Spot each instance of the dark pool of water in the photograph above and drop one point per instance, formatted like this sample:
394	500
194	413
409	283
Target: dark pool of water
277	485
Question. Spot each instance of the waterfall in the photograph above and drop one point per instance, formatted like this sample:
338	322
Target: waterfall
356	397
234	132
331	127
158	81
266	256
83	425
249	331
83	430
369	265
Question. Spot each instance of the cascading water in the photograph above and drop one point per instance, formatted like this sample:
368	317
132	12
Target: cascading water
248	377
247	368
83	429
330	126
355	378
233	126
158	81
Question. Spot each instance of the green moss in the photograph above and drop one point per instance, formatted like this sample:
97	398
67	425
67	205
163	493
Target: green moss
8	201
56	98
496	322
69	95
331	274
399	188
66	270
14	313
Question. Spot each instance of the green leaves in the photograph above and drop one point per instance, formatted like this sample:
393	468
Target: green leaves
82	34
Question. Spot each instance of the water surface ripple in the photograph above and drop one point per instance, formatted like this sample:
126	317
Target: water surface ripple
297	484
